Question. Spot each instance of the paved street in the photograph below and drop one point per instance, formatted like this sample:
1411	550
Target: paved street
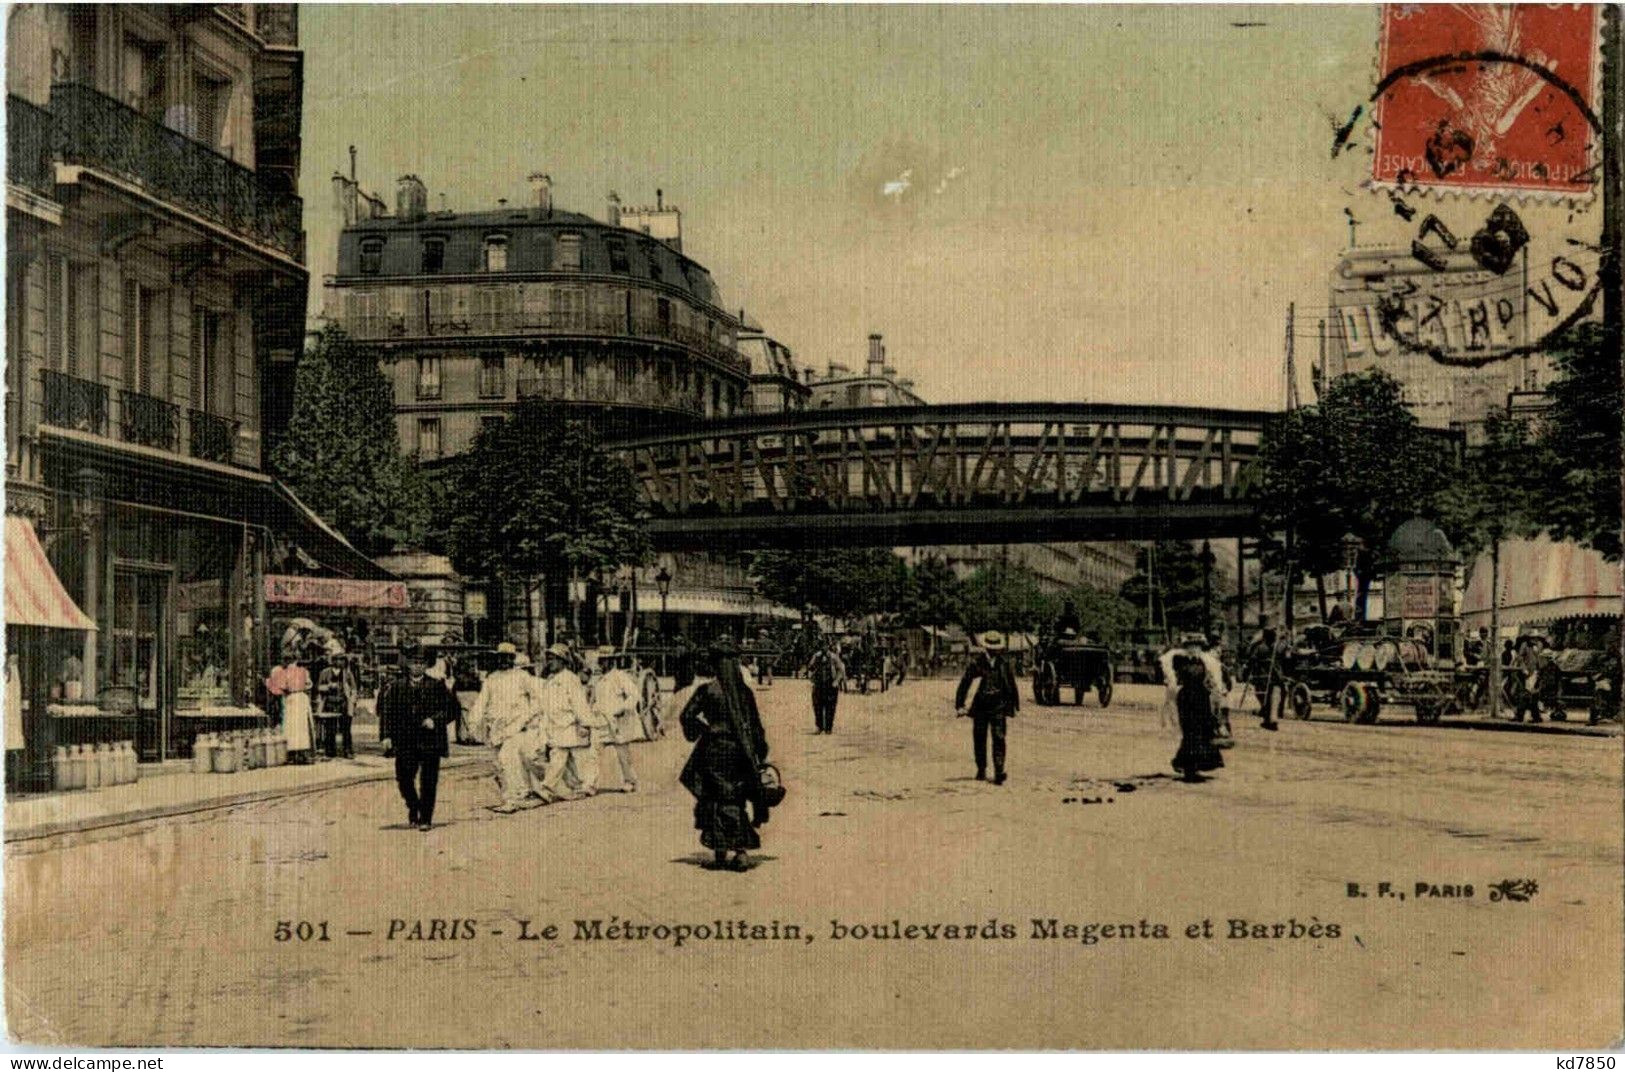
167	937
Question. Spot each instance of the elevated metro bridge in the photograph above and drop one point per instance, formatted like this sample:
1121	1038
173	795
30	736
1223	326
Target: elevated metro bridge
1013	472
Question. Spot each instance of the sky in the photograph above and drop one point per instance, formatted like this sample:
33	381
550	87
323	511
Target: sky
1054	203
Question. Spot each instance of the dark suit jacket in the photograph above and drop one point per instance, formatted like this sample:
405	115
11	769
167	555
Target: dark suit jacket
402	709
998	694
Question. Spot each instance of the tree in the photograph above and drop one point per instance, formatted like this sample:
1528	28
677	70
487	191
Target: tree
1356	463
341	454
1007	598
841	582
1103	616
1580	441
1168	587
934	595
536	498
1492	500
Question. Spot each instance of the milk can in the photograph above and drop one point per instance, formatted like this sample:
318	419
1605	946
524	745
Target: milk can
226	757
279	751
93	767
59	768
76	766
132	762
203	753
112	766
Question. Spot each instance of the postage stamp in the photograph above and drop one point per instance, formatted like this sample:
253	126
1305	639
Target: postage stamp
1488	97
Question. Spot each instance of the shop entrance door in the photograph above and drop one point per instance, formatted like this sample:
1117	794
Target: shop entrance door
140	655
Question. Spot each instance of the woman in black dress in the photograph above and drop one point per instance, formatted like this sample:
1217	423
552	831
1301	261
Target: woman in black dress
723	771
1197	751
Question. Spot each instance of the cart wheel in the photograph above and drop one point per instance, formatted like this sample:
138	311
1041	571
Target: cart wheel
1351	700
1372	705
1105	688
1300	700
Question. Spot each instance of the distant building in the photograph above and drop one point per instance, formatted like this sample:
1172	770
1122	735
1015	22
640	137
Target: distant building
776	384
876	385
1460	309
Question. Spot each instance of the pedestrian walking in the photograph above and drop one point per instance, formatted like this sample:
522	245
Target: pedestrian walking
1266	662
503	716
724	772
987	694
615	697
567	720
828	674
1197	751
414	712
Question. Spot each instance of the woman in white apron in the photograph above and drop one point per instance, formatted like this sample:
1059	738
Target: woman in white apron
296	714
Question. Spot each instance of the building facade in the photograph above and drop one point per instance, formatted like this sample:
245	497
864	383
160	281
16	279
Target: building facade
474	312
155	287
1459	308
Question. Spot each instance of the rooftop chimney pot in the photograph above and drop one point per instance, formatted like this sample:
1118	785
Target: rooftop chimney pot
541	196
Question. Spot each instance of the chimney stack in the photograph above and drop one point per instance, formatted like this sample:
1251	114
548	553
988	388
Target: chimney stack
541	196
344	193
411	199
614	213
877	355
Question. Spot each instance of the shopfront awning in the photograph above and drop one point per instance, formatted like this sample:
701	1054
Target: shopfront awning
34	593
335	592
1543	581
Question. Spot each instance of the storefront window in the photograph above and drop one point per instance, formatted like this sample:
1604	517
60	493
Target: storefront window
204	563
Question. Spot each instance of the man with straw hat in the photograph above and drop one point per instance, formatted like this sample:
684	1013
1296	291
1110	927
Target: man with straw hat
987	693
501	716
567	719
615	698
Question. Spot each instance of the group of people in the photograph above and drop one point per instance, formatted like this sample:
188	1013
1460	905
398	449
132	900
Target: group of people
312	696
548	733
1197	689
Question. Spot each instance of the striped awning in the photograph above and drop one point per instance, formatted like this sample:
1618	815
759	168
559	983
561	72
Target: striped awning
34	594
1543	581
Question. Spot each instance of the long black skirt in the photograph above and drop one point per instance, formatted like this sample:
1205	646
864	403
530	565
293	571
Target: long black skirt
1197	751
716	775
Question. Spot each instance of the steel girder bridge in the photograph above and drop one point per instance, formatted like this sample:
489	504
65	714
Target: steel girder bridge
1019	472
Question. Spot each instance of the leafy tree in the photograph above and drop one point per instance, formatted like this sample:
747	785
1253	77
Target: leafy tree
1169	583
341	454
1492	500
840	582
1007	598
1354	463
934	595
1104	616
1580	441
536	497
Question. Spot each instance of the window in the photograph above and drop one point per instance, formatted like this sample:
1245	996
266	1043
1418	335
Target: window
663	314
434	255
154	314
428	386
56	313
654	261
80	326
496	253
212	367
493	379
569	248
134	334
428	437
209	96
144	68
569	308
372	256
617	254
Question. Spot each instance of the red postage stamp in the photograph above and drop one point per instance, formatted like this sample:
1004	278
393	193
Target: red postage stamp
1488	97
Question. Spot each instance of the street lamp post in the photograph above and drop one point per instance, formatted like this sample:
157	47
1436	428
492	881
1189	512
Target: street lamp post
1352	546
663	583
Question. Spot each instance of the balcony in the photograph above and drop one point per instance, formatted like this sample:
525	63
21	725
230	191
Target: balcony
28	146
212	437
74	403
97	131
596	325
555	387
149	421
277	24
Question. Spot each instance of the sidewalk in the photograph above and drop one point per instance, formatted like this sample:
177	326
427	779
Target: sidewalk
173	789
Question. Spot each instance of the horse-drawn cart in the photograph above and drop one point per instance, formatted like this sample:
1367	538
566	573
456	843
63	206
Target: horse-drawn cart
1076	663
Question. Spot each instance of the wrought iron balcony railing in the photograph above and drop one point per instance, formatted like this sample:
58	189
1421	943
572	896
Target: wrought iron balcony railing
417	325
95	130
212	437
557	388
74	403
150	421
28	146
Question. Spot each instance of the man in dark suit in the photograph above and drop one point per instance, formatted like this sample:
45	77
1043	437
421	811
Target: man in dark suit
414	713
987	693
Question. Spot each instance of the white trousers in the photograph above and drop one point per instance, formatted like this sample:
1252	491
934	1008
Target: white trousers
570	770
512	769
